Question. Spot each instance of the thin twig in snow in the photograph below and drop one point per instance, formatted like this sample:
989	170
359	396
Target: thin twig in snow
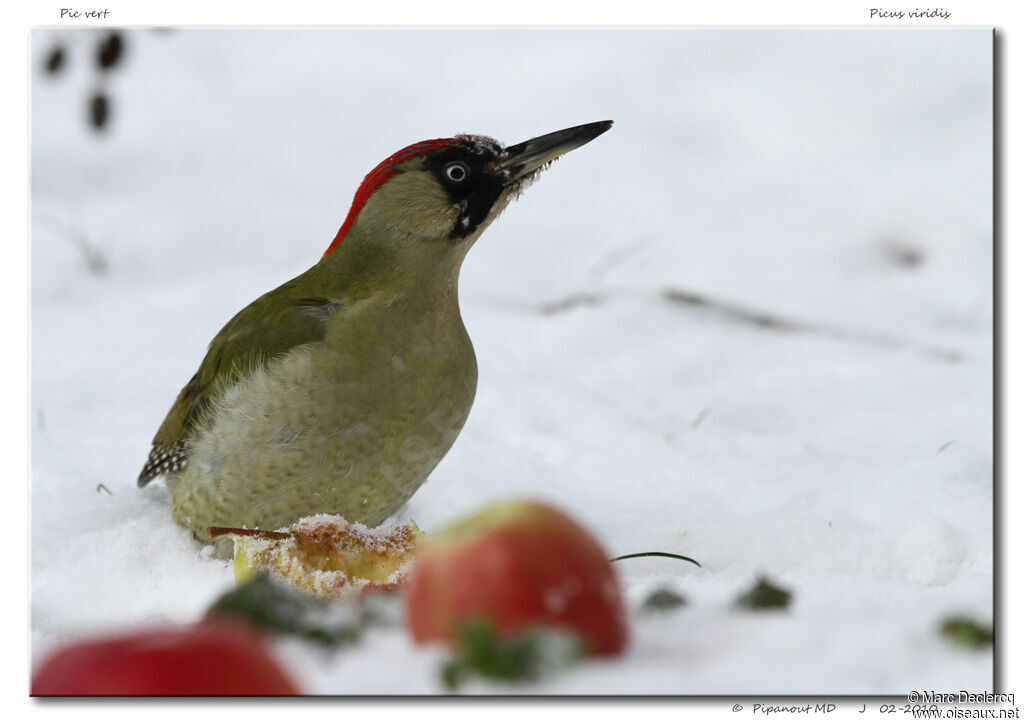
768	321
95	261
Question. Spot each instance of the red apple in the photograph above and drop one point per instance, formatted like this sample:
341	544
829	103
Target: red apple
517	564
209	659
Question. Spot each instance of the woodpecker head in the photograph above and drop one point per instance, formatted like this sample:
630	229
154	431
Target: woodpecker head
444	192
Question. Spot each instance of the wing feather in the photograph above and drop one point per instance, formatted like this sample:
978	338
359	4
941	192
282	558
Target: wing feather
263	330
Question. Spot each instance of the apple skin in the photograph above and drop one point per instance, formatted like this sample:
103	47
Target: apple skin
209	659
518	564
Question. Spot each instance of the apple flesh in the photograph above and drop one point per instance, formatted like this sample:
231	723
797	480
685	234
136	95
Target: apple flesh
209	659
518	565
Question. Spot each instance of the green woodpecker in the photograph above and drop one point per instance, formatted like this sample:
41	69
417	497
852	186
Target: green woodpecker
342	389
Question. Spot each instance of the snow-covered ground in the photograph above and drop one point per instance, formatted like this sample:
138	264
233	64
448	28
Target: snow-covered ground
752	323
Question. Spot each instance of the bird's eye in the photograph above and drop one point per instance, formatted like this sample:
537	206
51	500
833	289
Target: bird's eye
456	171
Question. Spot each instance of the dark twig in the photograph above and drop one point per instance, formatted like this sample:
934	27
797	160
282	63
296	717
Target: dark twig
215	531
768	321
656	554
571	302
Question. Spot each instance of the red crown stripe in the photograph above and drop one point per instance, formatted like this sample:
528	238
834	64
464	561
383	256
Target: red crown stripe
376	178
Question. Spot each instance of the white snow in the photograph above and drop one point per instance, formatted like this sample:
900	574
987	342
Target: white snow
792	173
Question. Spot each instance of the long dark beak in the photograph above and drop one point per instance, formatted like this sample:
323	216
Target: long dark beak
524	158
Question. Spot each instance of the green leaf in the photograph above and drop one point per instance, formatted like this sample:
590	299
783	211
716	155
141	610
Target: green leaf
662	599
273	606
967	633
764	594
527	656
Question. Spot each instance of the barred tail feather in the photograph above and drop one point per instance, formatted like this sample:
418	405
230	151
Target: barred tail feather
170	458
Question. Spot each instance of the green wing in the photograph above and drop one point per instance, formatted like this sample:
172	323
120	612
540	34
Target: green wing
273	324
